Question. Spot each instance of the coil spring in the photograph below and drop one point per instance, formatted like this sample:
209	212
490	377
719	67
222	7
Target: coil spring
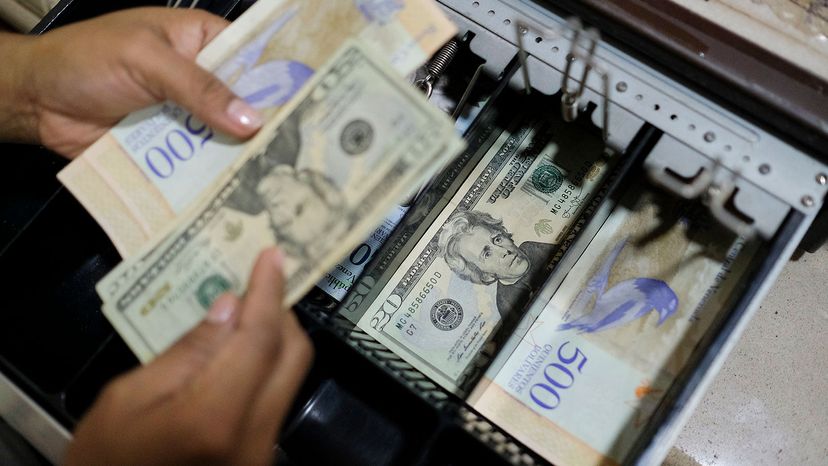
442	58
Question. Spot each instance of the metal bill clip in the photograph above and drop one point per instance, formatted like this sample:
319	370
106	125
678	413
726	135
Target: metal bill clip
717	198
521	29
685	187
584	43
715	184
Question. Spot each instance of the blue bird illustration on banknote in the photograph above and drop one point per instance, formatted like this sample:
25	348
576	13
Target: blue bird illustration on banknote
268	84
625	302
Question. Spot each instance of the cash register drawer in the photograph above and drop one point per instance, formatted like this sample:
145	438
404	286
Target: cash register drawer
362	404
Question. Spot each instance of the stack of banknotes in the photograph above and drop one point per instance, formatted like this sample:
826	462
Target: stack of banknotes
486	244
346	139
587	370
581	373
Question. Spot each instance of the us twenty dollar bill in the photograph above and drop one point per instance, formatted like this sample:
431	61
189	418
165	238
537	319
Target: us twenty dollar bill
405	225
581	385
155	163
397	227
315	183
488	249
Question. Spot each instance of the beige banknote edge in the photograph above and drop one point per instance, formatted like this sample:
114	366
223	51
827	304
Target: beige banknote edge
84	182
450	145
151	208
429	9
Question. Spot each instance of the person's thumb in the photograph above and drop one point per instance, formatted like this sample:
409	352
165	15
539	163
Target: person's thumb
204	95
196	349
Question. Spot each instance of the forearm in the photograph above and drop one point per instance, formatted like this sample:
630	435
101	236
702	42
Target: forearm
18	119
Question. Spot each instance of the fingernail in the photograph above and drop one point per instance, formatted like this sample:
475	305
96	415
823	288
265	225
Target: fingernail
222	310
244	114
278	258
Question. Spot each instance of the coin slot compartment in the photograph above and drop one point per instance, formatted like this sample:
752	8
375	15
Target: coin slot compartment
350	412
455	446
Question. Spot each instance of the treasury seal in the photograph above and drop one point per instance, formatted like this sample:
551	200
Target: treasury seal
446	314
547	178
357	137
211	288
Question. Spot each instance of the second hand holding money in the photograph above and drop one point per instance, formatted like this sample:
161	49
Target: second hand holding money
70	86
221	393
218	396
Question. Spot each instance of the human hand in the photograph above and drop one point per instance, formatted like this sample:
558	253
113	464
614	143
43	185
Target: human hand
219	395
74	83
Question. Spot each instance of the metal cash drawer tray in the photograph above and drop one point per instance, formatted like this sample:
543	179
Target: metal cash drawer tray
363	404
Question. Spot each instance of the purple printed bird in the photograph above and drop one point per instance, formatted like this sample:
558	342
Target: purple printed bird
625	302
267	84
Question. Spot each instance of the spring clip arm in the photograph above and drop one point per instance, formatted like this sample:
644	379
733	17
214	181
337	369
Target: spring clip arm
584	44
570	100
437	66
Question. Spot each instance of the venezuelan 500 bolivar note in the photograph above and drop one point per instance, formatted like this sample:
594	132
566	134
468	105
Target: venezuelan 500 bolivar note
154	164
581	384
489	248
351	146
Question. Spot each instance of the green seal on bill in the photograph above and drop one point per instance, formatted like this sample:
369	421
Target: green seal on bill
547	178
211	288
